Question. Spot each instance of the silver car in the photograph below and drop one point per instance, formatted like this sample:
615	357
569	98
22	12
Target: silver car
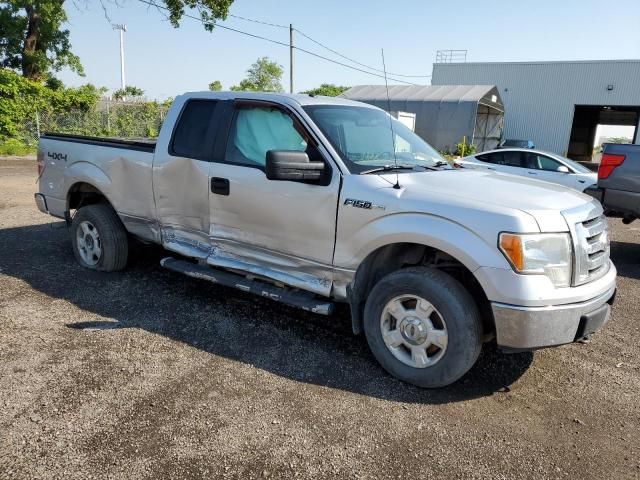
537	164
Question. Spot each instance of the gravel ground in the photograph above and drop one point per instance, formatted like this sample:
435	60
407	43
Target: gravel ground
149	374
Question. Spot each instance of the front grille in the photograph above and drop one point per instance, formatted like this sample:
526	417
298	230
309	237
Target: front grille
591	244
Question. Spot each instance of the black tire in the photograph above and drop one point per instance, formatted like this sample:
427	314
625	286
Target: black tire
457	309
113	238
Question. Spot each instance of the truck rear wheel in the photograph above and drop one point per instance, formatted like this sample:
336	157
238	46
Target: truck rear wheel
423	327
99	239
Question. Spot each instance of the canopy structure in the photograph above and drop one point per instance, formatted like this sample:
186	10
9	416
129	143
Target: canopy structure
445	114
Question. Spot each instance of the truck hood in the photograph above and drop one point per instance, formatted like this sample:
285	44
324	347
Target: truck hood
496	188
485	190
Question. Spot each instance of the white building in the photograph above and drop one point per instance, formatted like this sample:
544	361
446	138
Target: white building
557	105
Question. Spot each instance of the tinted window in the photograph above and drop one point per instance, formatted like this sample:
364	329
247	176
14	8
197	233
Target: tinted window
192	136
257	130
491	158
542	162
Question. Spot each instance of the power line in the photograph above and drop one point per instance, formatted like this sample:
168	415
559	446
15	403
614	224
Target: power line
266	39
355	61
335	52
257	21
218	25
350	66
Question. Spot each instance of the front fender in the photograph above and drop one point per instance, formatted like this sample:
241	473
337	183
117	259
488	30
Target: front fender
430	230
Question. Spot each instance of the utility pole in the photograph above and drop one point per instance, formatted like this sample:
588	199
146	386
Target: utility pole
290	58
123	28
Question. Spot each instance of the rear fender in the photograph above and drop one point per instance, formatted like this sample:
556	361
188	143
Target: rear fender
85	172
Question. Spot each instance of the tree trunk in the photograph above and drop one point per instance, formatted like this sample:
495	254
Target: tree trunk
30	68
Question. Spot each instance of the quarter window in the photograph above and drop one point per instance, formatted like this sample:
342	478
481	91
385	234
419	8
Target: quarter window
193	135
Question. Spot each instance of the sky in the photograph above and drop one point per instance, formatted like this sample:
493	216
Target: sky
165	61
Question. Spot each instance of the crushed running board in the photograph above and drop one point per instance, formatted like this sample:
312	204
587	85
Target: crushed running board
304	300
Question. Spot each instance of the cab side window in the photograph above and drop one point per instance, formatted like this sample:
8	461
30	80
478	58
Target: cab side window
256	130
194	132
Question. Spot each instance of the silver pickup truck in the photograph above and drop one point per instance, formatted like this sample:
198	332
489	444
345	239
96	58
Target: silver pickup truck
311	201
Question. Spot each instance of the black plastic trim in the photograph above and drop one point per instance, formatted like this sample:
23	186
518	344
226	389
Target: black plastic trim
143	146
295	298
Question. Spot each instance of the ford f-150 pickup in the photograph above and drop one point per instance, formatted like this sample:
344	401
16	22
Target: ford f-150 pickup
312	200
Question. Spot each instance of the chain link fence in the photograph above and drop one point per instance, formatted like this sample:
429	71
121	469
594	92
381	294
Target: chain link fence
109	119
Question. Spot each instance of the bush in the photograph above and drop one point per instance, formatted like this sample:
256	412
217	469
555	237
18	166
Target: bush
21	98
14	146
462	150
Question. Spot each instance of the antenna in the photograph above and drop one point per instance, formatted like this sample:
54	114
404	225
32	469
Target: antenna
393	135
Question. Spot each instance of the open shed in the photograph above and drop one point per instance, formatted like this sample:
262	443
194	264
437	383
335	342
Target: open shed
444	113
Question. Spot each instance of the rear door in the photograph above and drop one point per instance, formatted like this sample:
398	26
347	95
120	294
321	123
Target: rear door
181	179
284	230
507	161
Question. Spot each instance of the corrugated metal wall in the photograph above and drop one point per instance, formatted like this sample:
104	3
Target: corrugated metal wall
539	97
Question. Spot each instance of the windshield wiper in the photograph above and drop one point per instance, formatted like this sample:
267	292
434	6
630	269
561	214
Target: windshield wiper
388	168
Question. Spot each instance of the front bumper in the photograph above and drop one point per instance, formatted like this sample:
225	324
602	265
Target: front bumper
528	328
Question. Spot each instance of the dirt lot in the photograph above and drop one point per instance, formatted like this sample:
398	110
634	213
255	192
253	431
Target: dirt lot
147	374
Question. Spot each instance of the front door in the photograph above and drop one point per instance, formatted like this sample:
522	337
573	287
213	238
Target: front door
283	230
545	168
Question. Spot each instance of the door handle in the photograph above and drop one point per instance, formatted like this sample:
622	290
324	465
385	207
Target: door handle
220	186
532	173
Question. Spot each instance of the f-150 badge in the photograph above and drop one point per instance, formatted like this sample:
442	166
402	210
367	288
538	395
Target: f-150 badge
362	204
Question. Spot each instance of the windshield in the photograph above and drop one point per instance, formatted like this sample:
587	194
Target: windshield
573	164
363	138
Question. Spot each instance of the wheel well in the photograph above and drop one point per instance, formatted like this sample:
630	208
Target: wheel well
397	256
81	194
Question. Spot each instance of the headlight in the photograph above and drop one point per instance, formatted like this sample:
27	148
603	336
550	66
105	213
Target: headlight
539	253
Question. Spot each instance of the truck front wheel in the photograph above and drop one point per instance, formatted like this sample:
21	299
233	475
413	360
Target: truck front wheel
423	327
99	239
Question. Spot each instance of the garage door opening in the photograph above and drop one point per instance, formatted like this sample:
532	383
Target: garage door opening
591	122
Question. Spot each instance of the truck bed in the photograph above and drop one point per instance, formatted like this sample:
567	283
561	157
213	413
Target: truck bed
120	169
143	144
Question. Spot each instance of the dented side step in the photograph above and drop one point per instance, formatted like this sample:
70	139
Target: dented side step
303	300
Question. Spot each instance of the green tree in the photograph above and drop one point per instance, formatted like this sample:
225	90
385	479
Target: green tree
618	140
328	90
34	42
215	86
128	91
263	76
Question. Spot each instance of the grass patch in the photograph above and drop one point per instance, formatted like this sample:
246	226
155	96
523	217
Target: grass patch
15	147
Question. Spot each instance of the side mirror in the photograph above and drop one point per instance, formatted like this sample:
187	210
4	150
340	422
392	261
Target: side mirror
292	165
562	169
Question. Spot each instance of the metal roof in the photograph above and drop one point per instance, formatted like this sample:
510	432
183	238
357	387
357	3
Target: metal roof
426	93
445	114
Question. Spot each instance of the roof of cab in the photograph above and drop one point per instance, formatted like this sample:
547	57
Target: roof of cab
286	98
